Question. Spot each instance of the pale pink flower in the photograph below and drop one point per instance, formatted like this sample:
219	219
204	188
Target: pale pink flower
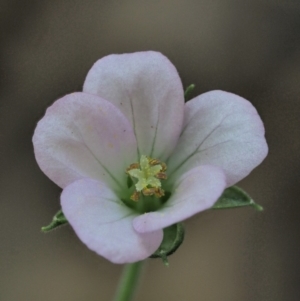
133	105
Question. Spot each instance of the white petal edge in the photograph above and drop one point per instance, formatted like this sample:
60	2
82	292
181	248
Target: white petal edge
146	87
196	191
220	129
104	223
82	135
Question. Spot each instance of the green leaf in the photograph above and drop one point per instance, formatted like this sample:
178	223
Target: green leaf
173	238
235	197
188	91
57	221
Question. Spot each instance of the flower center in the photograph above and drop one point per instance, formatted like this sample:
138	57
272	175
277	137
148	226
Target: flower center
147	176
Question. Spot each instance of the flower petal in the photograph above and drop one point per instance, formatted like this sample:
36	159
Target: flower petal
104	223
83	136
146	87
195	191
220	129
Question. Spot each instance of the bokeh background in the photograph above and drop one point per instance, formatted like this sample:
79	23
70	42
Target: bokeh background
248	47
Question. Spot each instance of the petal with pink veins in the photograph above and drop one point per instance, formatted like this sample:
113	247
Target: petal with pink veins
84	136
146	87
104	223
195	191
220	129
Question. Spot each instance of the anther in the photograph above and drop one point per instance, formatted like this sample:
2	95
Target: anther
135	196
132	166
161	176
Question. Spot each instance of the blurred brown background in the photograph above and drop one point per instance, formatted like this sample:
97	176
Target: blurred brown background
249	47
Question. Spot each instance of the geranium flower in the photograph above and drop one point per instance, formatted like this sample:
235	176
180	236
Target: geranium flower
133	158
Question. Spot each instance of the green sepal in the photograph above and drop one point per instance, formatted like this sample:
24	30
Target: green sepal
235	197
57	221
188	91
173	238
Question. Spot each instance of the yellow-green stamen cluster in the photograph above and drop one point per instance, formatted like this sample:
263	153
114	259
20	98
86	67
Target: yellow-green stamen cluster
148	174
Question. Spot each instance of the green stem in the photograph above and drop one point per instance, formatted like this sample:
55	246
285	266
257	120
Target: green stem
128	282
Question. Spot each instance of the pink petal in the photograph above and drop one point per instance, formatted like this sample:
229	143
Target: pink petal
146	87
83	136
194	192
220	129
104	223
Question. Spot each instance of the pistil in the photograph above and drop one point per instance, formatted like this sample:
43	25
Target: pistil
147	176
